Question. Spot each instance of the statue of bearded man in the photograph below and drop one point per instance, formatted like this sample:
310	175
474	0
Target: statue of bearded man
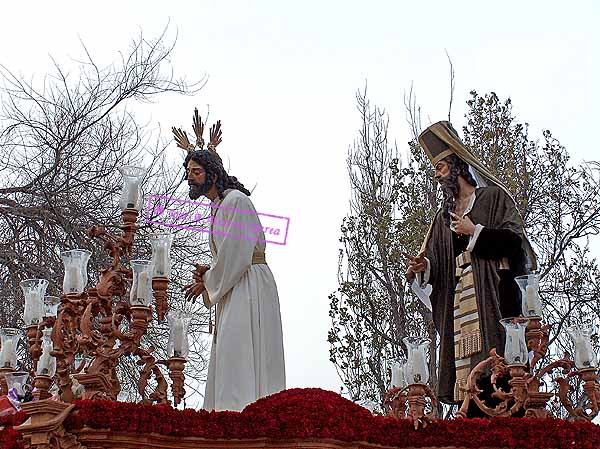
246	360
473	250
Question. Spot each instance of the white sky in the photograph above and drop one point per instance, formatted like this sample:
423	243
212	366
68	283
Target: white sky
283	76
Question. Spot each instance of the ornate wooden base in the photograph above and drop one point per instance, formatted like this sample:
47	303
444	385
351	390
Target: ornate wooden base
116	440
44	428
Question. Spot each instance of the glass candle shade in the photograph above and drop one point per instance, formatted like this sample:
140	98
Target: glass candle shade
529	285
515	348
141	288
75	263
34	291
416	369
161	253
51	304
584	354
9	339
179	323
18	381
47	363
131	193
398	376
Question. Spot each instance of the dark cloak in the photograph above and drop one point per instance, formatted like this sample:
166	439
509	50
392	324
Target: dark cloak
497	294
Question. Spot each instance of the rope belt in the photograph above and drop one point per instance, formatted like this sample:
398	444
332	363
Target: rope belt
467	331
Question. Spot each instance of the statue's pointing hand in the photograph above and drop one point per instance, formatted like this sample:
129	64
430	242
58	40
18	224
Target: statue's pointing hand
416	264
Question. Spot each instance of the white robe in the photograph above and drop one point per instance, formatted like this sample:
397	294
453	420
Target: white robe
246	360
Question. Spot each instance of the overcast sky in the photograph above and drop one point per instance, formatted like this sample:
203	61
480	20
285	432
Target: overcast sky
283	77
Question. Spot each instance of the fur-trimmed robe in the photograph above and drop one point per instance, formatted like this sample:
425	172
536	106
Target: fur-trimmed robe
498	294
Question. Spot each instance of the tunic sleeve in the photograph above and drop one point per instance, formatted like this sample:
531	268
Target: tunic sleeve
236	228
502	237
496	243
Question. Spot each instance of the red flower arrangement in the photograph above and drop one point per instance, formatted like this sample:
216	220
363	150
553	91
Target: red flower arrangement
315	413
9	437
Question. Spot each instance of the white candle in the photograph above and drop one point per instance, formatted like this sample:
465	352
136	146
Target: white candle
514	355
7	350
133	193
583	353
143	285
44	363
38	306
418	366
72	279
177	338
531	300
160	260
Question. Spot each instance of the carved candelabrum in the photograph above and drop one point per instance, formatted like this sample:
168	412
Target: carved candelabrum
409	395
526	345
101	324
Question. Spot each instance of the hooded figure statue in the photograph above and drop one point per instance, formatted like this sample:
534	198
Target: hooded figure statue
471	254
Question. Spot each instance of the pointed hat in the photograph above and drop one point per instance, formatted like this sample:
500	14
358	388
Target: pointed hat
441	140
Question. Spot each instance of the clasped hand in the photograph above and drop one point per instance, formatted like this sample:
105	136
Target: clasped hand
195	289
462	226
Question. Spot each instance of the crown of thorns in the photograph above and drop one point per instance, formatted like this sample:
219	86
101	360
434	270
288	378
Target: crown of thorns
215	134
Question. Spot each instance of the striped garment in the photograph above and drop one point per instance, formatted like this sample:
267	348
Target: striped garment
467	333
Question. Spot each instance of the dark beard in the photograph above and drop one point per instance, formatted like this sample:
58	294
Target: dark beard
198	190
450	188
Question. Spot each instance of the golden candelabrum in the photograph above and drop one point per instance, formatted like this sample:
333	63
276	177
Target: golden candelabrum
90	330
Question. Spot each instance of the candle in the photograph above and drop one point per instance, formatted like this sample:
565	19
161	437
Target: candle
160	260
143	288
177	338
418	365
512	338
44	363
35	307
75	281
72	279
133	193
531	300
39	306
583	353
143	284
6	352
